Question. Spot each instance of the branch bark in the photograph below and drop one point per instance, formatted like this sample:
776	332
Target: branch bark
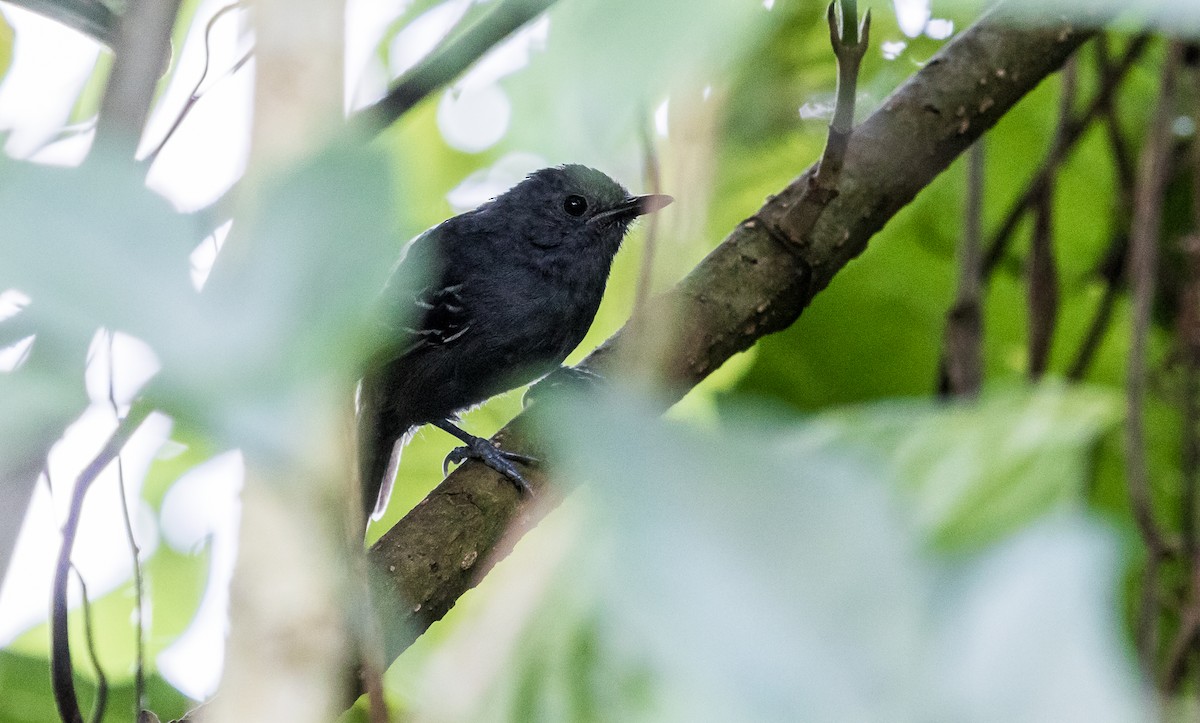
753	284
142	52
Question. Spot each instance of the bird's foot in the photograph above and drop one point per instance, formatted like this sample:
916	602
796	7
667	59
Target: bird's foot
560	378
494	457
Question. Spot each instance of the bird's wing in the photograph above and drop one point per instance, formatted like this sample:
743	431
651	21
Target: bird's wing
435	314
432	315
443	317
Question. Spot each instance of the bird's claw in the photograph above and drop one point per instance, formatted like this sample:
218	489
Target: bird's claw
494	457
559	378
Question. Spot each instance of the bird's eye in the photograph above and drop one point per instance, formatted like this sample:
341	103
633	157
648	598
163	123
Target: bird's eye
575	205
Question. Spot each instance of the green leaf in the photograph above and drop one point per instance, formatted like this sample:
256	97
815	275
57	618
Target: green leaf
27	697
605	69
976	471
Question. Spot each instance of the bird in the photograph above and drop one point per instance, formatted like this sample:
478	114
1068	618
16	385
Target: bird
512	288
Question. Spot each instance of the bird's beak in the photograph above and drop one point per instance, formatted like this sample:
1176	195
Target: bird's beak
633	207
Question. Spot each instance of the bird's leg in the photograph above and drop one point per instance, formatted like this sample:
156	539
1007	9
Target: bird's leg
486	452
577	377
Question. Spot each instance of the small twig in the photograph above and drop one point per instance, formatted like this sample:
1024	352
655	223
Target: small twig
962	360
447	62
1146	625
61	676
1112	265
1183	647
850	42
101	701
1042	268
849	45
1112	270
1042	285
141	52
194	96
1063	145
1118	146
1188	336
1143	257
138	587
1183	644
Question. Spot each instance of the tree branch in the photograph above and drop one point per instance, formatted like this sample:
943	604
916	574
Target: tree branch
141	53
447	62
93	19
749	286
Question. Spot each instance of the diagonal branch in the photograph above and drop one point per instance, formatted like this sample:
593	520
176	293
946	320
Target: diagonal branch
142	52
749	286
448	62
61	674
93	19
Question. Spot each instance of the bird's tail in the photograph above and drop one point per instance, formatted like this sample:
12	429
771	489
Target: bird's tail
381	437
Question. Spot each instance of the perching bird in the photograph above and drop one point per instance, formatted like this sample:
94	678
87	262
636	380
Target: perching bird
514	286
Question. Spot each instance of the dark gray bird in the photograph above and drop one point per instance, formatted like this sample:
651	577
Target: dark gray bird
514	287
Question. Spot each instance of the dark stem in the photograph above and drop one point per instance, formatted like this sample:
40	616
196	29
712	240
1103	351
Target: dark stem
139	678
1064	143
194	96
101	701
1043	269
962	360
61	674
1143	259
1113	272
1042	281
1184	646
1112	265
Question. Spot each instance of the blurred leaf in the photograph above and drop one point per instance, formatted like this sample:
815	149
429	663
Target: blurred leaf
289	296
769	581
977	471
605	69
1033	632
93	247
1181	17
27	697
6	46
37	407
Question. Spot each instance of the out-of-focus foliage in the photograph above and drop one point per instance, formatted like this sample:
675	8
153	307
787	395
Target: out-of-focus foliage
769	570
27	696
6	46
265	359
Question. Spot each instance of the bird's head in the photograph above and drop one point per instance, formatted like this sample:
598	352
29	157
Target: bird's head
573	206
